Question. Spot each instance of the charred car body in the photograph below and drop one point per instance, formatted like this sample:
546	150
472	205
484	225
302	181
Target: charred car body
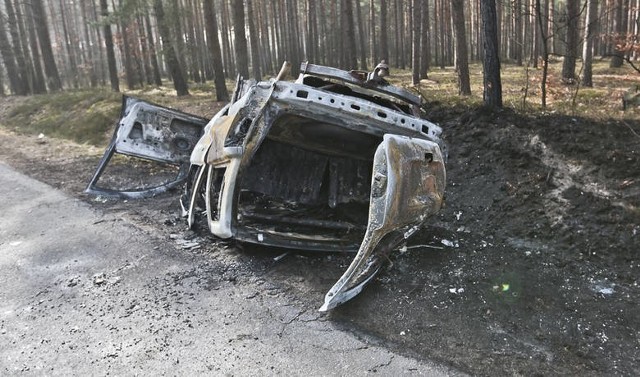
335	161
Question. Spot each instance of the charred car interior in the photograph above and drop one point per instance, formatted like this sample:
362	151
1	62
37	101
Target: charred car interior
336	161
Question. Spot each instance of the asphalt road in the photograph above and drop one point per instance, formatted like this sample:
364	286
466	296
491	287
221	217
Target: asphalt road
86	293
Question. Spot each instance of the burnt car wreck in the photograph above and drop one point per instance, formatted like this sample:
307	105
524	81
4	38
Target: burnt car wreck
335	161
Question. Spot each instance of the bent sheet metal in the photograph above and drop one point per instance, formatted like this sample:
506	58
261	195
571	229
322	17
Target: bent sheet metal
335	161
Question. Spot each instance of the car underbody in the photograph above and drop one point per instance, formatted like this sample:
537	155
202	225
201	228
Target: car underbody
337	161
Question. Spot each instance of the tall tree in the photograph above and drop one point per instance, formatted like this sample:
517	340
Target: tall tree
18	52
179	81
108	41
569	63
214	45
462	59
253	39
425	39
157	79
348	36
545	51
362	47
415	43
620	21
242	56
15	83
591	28
518	38
373	42
492	94
44	40
39	84
384	40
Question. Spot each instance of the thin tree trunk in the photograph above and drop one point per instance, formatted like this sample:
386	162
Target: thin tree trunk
226	42
70	50
108	40
50	67
492	94
425	39
87	46
587	50
362	47
545	53
517	43
415	43
23	76
212	36
569	63
179	82
242	56
349	42
16	85
373	42
39	84
157	79
384	41
462	60
253	40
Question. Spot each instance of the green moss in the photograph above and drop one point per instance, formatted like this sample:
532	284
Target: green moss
85	116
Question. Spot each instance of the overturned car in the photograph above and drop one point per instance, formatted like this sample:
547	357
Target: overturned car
335	161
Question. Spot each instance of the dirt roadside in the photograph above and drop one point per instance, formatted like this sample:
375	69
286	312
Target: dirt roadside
532	267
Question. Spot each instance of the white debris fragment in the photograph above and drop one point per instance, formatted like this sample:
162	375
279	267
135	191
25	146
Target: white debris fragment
458	215
100	199
15	243
260	237
483	243
603	287
456	290
450	243
527	253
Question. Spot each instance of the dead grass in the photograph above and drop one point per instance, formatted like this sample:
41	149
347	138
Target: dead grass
89	115
521	90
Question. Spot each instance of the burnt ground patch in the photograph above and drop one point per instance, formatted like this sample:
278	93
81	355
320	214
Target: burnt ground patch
530	269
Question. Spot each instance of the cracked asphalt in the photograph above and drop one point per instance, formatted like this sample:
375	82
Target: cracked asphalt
88	293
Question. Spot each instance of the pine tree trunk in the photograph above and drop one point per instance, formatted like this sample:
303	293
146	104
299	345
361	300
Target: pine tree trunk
23	86
373	42
73	65
492	94
349	42
157	78
242	56
425	39
587	49
253	39
569	63
462	60
619	31
111	55
517	48
15	84
227	48
39	84
415	43
384	41
212	36
179	81
362	47
51	70
87	45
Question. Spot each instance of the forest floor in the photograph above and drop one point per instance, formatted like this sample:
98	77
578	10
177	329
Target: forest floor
531	268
